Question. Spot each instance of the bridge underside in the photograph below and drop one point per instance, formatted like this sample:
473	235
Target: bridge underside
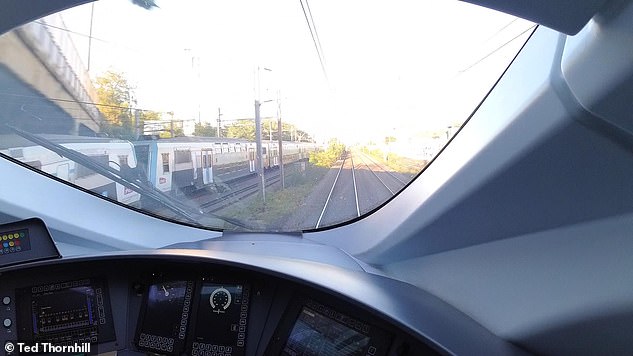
23	106
39	89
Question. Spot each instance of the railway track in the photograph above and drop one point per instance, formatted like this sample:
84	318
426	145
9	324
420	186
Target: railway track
221	201
397	180
327	204
360	185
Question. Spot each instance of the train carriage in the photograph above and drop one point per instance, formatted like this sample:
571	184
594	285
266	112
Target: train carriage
183	164
118	154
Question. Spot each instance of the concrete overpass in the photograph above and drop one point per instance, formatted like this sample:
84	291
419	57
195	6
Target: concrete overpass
44	86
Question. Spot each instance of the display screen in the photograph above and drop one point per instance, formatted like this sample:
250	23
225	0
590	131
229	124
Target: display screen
65	313
316	334
163	327
221	319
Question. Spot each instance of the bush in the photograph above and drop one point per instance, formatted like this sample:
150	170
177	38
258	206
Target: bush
328	157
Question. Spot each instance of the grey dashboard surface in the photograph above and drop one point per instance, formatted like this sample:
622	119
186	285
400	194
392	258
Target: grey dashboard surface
414	316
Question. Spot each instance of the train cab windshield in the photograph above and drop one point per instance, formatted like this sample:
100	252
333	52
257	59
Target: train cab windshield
246	115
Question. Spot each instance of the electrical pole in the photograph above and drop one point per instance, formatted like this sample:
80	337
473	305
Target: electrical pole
219	120
92	15
280	141
258	147
137	124
171	124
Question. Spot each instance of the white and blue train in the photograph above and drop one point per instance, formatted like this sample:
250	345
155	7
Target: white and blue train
188	163
117	154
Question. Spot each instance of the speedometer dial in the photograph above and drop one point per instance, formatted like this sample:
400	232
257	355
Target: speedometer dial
220	300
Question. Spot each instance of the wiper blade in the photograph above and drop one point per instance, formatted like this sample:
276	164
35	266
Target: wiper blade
120	177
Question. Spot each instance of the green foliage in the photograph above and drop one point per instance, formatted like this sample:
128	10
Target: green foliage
395	162
246	129
149	115
114	95
328	157
280	204
242	129
206	130
166	133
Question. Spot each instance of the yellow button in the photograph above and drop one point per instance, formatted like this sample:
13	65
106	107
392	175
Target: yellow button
4	237
10	237
11	243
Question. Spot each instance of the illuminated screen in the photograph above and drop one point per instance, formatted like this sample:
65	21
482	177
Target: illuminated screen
66	312
221	319
164	324
316	334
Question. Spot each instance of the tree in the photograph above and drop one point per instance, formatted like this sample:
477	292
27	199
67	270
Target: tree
242	129
166	133
206	130
328	157
114	94
246	129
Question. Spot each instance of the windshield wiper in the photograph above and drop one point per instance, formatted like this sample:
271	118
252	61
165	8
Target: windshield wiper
120	177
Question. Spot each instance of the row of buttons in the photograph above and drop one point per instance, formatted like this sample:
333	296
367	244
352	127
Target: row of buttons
7	250
11	236
208	353
87	334
156	338
6	300
185	314
241	335
56	341
156	345
201	349
56	286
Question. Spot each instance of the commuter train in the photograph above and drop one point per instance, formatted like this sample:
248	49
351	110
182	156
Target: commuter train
188	163
117	154
171	165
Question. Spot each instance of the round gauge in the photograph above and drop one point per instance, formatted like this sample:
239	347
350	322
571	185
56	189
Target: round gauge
220	299
165	292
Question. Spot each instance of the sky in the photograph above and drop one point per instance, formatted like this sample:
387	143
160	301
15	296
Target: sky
397	67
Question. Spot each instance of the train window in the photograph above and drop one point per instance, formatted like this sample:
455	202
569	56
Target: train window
165	162
82	171
181	156
122	160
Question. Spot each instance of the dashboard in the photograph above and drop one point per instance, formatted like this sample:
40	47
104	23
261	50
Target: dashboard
252	294
172	306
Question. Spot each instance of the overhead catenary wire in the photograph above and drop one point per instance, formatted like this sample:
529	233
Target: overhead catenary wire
497	49
501	29
316	33
137	50
81	102
314	40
